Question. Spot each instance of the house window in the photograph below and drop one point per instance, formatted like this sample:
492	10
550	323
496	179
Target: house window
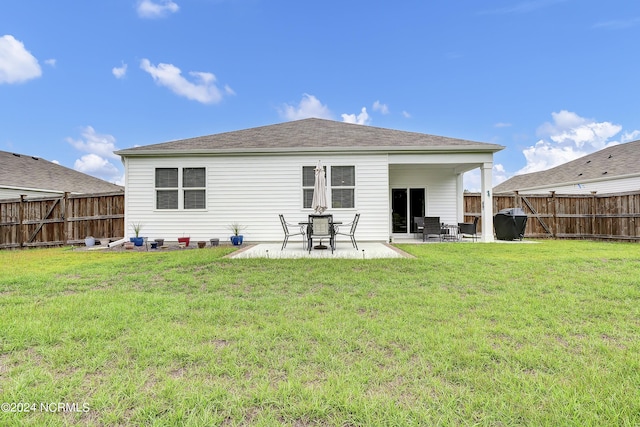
308	181
166	188
169	186
193	182
343	184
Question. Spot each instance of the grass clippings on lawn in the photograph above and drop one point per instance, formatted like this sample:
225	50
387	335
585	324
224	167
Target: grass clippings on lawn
484	334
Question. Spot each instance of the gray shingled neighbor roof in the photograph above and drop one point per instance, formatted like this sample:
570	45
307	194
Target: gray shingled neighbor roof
310	135
23	171
614	161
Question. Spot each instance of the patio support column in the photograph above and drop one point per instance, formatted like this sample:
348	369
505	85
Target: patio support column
486	197
460	197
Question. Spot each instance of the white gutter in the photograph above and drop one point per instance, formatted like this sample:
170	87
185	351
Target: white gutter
297	150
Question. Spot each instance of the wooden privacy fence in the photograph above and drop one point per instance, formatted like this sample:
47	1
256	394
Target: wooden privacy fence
60	220
68	219
605	216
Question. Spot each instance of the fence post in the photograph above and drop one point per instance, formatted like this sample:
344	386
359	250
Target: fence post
65	216
21	227
593	213
554	225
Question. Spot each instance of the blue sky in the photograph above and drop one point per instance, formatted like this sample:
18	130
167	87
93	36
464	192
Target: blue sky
550	80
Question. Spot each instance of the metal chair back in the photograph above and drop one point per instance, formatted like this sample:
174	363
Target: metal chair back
321	225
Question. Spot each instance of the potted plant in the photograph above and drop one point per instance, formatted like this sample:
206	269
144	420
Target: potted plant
184	240
137	240
236	238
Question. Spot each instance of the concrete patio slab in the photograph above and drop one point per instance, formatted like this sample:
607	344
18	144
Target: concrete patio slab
366	250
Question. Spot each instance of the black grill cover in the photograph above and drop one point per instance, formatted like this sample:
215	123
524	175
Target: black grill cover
509	224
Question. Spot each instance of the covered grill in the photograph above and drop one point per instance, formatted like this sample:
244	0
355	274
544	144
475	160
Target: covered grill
509	224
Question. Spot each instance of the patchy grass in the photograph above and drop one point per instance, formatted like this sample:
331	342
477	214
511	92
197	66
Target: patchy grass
482	334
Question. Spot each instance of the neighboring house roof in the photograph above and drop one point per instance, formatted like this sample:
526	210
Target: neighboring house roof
617	161
21	171
310	135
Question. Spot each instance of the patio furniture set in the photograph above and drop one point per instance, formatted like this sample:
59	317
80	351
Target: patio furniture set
319	228
430	226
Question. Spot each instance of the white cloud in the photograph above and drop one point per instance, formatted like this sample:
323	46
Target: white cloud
630	136
95	143
95	165
406	114
119	72
228	90
203	89
309	106
119	180
525	6
17	64
100	148
473	181
51	62
380	108
568	137
502	125
360	119
150	9
620	24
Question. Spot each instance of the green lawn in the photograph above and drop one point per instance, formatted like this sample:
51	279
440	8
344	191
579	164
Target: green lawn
544	334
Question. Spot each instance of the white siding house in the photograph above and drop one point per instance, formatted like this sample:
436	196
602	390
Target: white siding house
614	169
197	187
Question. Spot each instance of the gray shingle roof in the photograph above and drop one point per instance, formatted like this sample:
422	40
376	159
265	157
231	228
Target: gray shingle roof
23	171
308	135
611	162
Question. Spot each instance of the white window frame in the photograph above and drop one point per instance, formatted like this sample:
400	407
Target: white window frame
203	189
342	187
328	172
180	189
306	188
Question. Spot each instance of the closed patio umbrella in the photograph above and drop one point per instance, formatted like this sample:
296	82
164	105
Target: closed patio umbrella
319	202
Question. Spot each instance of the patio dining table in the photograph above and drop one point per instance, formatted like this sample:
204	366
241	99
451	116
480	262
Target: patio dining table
450	232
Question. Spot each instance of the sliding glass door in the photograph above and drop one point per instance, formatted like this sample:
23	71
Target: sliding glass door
406	203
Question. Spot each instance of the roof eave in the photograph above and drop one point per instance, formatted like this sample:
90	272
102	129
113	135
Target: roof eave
575	182
484	148
40	190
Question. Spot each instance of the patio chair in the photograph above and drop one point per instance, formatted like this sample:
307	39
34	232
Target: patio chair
469	228
287	233
418	222
432	227
352	230
321	227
